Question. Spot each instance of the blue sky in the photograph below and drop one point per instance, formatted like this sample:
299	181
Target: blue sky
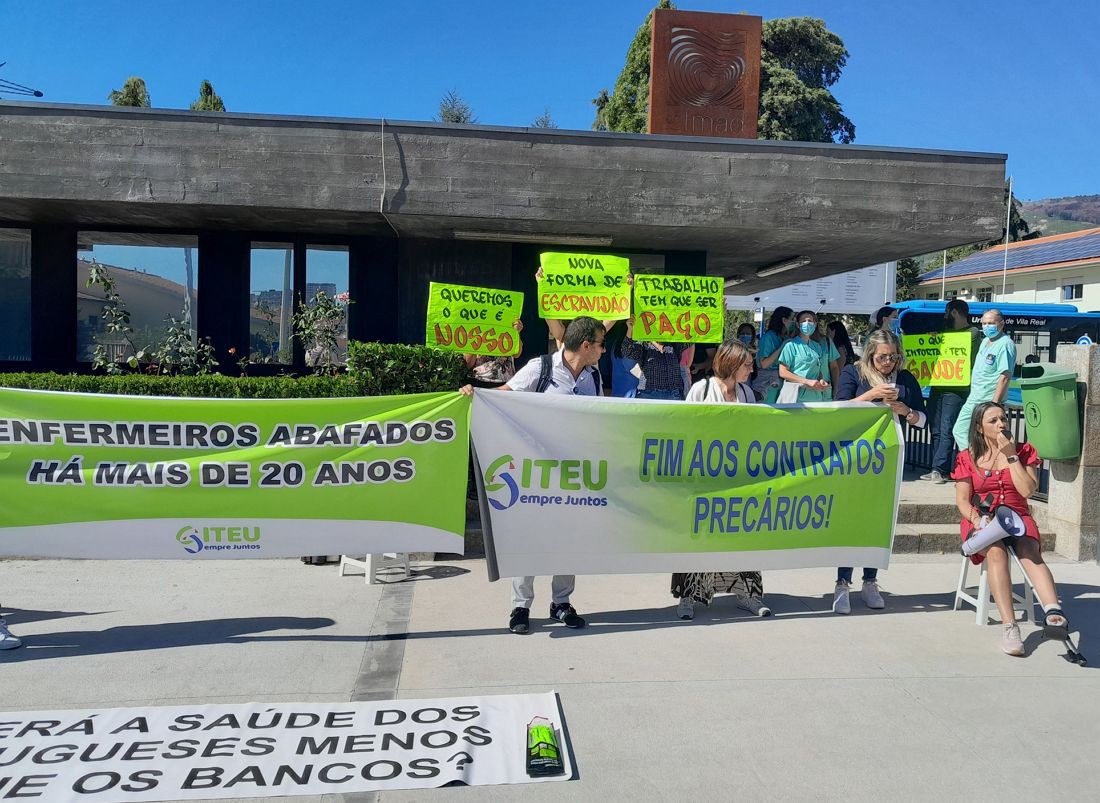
1012	77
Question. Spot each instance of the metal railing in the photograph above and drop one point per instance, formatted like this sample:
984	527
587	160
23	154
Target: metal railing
918	448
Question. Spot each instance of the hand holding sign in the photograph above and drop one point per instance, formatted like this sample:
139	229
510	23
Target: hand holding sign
684	309
473	320
571	285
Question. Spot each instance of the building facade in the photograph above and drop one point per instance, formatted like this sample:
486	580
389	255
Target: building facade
227	221
1062	269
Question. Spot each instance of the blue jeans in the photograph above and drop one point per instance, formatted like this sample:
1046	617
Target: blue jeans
945	412
670	395
844	573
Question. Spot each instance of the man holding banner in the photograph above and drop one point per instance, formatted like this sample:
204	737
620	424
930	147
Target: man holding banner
570	371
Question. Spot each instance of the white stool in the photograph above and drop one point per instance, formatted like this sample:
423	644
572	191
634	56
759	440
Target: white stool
981	599
372	564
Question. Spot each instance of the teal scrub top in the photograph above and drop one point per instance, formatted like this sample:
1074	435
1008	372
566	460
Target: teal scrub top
994	358
767	346
810	360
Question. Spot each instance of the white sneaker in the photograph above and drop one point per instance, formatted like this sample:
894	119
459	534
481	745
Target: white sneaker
8	641
871	595
686	608
841	602
753	605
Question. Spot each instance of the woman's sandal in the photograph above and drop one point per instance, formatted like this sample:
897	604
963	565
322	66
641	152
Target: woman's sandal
1055	624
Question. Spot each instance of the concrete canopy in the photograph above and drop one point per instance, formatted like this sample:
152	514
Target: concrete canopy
746	203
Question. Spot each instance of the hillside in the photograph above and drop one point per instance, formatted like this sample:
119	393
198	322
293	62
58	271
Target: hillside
1061	215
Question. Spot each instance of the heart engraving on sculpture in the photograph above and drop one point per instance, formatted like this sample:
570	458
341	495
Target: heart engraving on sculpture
706	69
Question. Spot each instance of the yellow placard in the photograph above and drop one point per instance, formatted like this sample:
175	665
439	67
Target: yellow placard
939	359
584	284
678	309
473	320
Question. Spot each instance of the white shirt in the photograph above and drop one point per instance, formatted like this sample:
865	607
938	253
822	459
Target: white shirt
710	390
562	380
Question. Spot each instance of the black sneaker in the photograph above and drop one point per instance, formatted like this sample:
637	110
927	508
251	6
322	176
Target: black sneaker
518	621
566	614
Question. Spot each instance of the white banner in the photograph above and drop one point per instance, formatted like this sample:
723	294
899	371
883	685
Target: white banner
577	485
264	750
853	292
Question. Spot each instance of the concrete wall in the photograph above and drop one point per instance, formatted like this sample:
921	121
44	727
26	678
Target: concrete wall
746	203
1072	511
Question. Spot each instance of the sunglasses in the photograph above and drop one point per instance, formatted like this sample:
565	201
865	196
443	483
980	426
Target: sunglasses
888	357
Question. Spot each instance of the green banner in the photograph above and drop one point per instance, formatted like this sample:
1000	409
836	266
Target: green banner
473	320
584	284
89	475
614	485
678	309
940	359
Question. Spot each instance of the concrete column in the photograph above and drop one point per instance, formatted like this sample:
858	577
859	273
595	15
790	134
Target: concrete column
1073	509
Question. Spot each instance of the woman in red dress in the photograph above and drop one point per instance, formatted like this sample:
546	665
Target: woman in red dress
995	464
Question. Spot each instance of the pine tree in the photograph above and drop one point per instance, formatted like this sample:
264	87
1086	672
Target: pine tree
133	93
544	120
209	100
453	109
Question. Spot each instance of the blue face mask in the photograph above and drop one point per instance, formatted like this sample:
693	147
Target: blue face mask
895	326
990	330
807	328
746	339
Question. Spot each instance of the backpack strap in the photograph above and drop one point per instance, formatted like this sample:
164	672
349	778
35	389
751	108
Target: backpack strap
597	377
546	370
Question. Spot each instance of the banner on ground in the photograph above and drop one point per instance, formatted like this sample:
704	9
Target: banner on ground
99	476
271	749
939	359
473	320
678	309
584	284
574	485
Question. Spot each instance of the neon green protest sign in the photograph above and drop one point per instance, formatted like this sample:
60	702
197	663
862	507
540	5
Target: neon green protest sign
473	320
939	359
583	284
100	476
680	309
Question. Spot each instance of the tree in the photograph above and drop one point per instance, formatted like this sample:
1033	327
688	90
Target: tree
544	120
209	100
133	93
453	109
800	60
908	277
627	108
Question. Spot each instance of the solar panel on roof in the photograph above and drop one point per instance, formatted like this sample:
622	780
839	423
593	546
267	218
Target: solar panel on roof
1024	256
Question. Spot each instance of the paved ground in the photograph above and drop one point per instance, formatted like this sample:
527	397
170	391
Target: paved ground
911	703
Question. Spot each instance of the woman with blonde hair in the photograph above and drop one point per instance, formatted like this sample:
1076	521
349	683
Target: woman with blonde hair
879	376
729	385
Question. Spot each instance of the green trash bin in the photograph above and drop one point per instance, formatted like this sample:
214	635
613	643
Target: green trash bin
1049	394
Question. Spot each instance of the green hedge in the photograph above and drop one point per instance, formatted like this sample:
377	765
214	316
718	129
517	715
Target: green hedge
374	369
383	369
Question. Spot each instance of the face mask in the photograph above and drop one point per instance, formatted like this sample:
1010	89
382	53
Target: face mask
895	326
807	328
746	339
990	330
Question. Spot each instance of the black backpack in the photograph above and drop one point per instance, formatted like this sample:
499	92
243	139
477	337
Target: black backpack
546	370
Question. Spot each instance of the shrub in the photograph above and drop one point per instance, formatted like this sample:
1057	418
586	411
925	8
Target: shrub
388	368
375	369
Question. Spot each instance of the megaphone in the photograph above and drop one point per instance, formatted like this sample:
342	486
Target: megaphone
1004	522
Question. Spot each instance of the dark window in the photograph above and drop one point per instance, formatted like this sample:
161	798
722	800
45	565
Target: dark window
1073	292
15	294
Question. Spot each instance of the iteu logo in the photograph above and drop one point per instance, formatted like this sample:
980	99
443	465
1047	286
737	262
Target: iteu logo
492	485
